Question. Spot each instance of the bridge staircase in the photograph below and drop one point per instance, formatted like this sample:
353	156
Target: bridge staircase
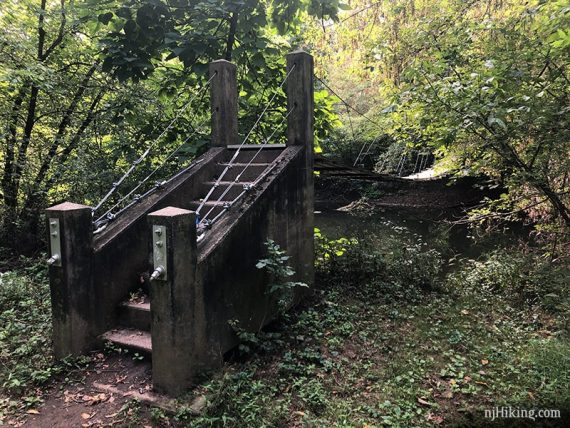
192	241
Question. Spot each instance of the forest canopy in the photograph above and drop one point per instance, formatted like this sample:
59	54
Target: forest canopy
88	85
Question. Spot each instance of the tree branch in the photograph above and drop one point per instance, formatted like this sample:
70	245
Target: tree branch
57	41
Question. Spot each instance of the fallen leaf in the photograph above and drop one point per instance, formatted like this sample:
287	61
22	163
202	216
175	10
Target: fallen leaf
298	413
424	402
33	412
86	415
447	394
465	312
484	362
437	419
119	379
99	398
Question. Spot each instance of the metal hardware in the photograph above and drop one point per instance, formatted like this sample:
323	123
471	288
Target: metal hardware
158	272
54	242
53	260
159	253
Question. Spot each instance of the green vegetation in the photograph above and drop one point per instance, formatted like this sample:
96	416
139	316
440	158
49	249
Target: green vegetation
483	86
400	331
279	271
26	359
374	345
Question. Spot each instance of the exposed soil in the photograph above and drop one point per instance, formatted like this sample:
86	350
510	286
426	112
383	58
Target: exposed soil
97	400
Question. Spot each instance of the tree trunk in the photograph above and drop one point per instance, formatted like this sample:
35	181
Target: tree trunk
231	36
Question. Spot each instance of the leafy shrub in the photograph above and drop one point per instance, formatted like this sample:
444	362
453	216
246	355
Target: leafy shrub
551	360
412	264
25	329
276	266
408	264
522	276
346	260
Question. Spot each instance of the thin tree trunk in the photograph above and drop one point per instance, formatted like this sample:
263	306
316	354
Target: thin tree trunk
231	36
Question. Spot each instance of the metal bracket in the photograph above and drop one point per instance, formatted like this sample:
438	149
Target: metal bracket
159	253
54	242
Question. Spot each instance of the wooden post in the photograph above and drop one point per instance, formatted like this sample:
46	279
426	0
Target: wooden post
224	103
172	295
73	294
300	98
300	132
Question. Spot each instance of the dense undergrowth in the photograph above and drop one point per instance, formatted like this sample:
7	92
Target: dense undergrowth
391	337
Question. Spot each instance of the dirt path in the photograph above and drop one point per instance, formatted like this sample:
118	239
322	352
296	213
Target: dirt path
99	400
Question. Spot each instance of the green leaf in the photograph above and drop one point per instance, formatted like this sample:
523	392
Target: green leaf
105	18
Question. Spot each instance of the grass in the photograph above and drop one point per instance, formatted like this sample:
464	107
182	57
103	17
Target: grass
372	348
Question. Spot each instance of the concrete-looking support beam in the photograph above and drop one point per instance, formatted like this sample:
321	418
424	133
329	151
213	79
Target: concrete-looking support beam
73	294
224	103
300	132
172	319
300	98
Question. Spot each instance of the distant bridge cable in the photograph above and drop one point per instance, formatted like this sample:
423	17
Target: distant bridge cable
348	106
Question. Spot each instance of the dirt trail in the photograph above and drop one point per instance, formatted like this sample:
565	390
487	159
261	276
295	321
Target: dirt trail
109	383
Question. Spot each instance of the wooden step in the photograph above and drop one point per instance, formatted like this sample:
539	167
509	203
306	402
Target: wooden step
218	207
235	189
252	172
267	154
130	338
135	314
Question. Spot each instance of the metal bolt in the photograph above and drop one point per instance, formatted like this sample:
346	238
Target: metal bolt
53	259
159	244
53	223
158	272
158	231
54	233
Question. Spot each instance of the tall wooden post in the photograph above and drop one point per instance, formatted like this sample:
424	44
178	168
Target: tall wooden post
74	296
300	132
224	103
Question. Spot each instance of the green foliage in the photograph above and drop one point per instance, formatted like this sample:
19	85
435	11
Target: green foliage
409	264
328	249
145	33
524	277
491	96
25	330
483	86
279	271
551	360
